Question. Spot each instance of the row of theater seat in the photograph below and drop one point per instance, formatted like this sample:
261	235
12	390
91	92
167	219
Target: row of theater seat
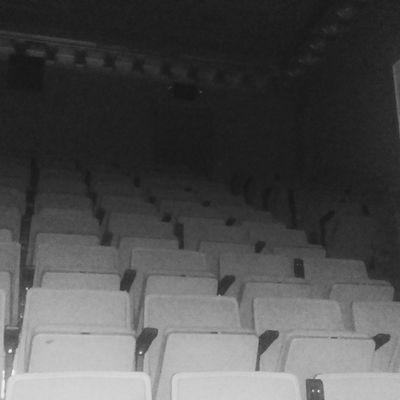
203	386
160	295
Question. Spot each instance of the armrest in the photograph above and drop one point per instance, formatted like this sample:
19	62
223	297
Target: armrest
143	342
381	339
264	342
127	280
225	283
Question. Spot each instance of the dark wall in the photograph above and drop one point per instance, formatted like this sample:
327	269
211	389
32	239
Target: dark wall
348	122
135	121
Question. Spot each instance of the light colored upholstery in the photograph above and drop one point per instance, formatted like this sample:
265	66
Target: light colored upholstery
10	256
300	252
87	310
139	225
63	351
292	314
6	235
213	250
347	293
245	265
64	239
185	312
74	258
324	272
126	205
306	355
177	208
51	220
235	386
127	244
80	280
193	235
80	386
10	218
2	330
204	352
62	200
291	287
361	386
373	317
170	262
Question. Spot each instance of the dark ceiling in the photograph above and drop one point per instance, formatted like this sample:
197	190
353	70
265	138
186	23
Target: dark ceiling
260	32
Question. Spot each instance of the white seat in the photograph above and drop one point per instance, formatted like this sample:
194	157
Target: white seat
2	330
213	250
10	218
80	386
81	280
292	314
309	353
64	351
204	352
62	184
347	293
373	318
300	252
74	258
76	310
10	255
213	233
185	312
6	235
61	221
11	197
127	244
258	230
120	225
245	265
323	272
291	287
360	386
62	200
125	205
64	239
232	385
169	262
177	208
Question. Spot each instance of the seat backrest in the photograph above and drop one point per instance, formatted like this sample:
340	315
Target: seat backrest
245	265
361	386
10	256
250	290
347	293
80	386
284	314
140	225
6	235
64	351
342	352
64	239
171	262
300	252
166	312
10	218
234	386
74	258
260	231
127	244
61	221
323	272
62	200
92	309
126	205
204	352
213	250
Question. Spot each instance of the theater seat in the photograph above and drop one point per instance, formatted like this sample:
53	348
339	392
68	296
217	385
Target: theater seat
80	386
232	385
